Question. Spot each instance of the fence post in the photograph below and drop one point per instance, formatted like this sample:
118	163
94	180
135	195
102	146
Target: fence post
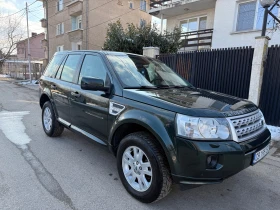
259	59
151	51
193	67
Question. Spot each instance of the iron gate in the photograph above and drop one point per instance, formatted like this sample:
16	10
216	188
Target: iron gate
270	93
223	70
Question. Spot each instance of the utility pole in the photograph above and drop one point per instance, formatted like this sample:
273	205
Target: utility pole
28	45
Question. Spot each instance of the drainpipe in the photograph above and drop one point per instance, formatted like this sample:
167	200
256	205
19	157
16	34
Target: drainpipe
161	24
47	17
87	6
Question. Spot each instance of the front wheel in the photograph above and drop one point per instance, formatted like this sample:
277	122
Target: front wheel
143	167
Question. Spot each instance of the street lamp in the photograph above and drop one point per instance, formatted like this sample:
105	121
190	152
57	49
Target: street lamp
265	4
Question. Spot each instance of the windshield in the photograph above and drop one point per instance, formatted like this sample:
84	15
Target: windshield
139	71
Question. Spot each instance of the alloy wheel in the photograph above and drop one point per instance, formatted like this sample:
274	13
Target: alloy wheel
47	118
137	168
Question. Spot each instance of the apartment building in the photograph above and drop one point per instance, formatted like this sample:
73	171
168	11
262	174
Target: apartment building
82	24
215	23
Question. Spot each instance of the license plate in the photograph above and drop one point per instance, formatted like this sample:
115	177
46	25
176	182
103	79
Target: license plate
260	154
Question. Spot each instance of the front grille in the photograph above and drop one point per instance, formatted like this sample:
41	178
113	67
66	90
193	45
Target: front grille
247	126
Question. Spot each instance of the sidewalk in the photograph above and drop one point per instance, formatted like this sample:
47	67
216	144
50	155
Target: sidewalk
23	83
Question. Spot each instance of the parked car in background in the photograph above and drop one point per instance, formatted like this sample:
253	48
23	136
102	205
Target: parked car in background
161	129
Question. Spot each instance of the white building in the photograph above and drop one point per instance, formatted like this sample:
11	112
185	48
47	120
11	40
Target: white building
216	23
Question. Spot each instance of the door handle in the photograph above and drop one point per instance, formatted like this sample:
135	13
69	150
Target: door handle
53	87
75	94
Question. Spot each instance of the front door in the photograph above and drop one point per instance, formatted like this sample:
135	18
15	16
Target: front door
61	89
89	109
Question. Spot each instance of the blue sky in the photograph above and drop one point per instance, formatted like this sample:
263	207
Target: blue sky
36	12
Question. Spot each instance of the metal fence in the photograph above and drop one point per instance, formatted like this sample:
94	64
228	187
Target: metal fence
19	69
270	94
223	70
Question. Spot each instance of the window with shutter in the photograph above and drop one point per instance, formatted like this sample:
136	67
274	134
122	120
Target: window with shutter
143	5
59	48
60	29
76	22
59	5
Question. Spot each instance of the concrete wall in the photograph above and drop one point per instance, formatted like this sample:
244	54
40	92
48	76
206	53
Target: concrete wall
97	22
224	28
36	49
175	21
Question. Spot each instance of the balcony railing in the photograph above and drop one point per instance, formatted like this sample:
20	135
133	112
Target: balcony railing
197	39
75	7
160	4
44	23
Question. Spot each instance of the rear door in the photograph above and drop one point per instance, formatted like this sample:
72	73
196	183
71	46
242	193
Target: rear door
61	90
89	109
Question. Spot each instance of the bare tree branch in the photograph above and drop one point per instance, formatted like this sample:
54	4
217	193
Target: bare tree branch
11	33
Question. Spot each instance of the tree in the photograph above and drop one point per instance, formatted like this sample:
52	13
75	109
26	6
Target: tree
134	38
10	33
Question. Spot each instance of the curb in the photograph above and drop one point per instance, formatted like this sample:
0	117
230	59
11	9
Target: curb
16	82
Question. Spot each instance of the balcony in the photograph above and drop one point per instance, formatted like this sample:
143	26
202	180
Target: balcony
197	40
44	23
75	35
75	7
170	8
44	43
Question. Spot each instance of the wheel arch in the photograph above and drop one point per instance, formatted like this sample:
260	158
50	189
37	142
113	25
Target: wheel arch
148	123
43	99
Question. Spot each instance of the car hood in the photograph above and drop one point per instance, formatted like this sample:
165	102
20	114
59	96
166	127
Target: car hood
192	101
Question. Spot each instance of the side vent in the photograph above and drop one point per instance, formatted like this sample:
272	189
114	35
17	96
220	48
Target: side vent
115	109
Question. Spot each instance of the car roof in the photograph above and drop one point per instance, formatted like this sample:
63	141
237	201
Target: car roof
97	51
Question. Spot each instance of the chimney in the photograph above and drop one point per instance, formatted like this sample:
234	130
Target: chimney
33	34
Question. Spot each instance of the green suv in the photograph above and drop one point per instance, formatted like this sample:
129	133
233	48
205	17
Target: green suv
161	129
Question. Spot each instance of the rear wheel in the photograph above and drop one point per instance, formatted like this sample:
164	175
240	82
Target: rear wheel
143	168
51	126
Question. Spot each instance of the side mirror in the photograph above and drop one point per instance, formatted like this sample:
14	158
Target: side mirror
90	83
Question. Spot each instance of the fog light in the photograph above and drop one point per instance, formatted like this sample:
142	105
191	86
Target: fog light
212	161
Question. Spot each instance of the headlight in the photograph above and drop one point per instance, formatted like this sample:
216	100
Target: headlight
203	128
262	118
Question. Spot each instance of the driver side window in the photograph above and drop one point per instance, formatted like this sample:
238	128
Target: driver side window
93	66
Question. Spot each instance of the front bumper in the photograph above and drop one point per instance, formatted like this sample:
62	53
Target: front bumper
191	161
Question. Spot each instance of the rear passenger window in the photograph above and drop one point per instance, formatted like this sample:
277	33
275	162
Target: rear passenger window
93	66
70	67
53	65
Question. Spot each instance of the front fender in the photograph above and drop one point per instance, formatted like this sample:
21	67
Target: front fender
162	127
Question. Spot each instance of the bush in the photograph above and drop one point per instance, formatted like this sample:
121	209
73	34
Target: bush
134	38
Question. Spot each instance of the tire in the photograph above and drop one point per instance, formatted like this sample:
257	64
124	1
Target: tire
55	128
159	183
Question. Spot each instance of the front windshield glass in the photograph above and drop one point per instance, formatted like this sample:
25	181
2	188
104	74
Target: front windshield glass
139	71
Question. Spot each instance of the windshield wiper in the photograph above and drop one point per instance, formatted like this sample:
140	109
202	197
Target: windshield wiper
171	86
179	86
163	86
141	87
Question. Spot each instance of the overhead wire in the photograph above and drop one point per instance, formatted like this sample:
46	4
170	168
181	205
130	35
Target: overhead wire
18	11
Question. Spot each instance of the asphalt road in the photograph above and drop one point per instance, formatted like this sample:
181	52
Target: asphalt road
73	172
